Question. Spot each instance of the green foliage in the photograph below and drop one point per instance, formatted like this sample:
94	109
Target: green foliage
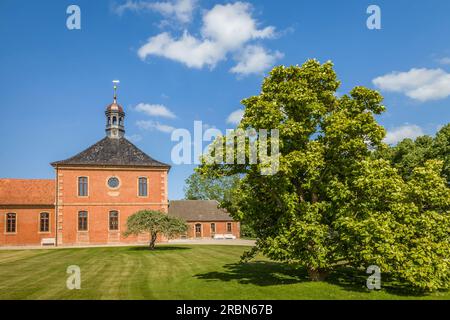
247	231
332	202
199	187
154	222
224	189
409	154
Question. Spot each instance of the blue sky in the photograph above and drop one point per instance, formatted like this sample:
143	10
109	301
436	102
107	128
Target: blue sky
180	61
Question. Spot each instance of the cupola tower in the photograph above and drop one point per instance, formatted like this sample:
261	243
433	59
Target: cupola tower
115	117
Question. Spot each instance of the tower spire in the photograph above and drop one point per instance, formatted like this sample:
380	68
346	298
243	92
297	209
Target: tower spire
115	82
115	117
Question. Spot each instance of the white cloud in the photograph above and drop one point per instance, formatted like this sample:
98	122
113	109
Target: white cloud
225	29
255	59
180	10
399	133
134	137
235	117
188	50
154	125
419	84
156	110
232	25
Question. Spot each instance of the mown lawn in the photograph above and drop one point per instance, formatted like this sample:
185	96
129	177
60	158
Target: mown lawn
173	272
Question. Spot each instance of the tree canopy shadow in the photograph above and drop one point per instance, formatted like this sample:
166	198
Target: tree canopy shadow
262	273
267	273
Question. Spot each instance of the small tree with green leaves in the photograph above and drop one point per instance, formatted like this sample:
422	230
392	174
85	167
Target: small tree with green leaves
154	222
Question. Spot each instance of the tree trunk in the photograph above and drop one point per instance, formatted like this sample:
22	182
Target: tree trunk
152	241
317	274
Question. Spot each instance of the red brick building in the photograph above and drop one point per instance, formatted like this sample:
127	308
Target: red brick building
92	196
205	219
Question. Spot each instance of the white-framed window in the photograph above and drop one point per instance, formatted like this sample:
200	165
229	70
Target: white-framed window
11	223
82	221
44	222
83	186
114	220
143	186
113	182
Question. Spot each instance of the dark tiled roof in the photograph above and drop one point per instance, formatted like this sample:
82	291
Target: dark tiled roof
27	192
198	210
110	151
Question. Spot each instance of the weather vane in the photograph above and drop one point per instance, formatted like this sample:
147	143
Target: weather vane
115	82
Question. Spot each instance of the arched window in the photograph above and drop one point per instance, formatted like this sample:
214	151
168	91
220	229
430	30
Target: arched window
114	120
44	222
121	121
113	220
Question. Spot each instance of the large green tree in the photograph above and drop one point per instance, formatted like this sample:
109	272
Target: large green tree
154	222
331	202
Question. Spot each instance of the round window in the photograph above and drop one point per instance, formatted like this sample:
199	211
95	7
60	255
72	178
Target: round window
113	182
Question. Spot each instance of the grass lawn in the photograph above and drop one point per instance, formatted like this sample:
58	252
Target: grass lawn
172	272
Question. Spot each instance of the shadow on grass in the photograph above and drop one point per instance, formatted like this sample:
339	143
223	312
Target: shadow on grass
266	273
262	273
158	248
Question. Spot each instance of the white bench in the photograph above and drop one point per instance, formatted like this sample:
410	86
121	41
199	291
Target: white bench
48	241
224	236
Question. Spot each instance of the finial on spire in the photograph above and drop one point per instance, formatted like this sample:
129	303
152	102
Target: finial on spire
116	82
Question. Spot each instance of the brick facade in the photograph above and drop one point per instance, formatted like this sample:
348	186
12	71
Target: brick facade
27	225
207	232
102	199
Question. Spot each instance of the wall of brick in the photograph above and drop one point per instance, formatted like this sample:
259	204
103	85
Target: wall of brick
221	228
27	228
102	199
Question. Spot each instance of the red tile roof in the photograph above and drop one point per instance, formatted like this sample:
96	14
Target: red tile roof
27	192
